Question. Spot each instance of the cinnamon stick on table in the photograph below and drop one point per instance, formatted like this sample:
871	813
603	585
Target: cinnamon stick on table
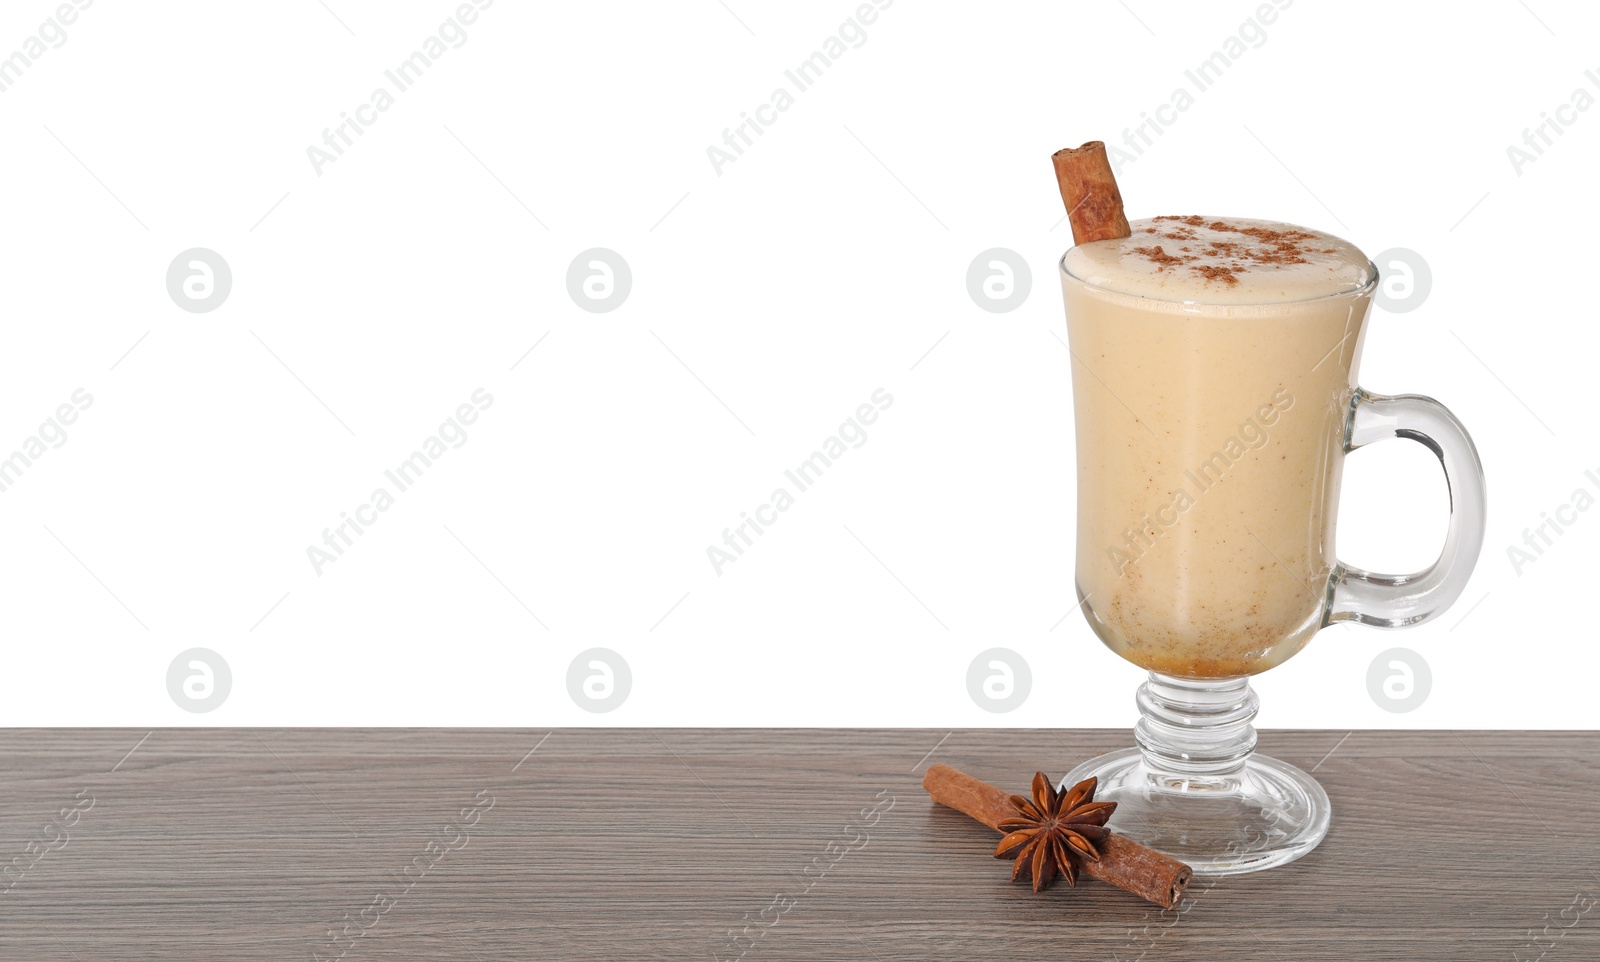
1089	189
1123	862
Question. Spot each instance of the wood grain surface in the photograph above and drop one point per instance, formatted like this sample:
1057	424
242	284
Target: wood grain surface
230	844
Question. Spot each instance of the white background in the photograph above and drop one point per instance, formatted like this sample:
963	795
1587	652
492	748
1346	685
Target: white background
767	304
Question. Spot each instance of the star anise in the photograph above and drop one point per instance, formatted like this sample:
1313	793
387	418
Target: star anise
1051	832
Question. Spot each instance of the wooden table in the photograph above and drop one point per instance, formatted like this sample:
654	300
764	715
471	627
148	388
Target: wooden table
671	844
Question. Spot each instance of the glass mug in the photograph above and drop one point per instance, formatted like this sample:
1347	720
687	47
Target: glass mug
1210	443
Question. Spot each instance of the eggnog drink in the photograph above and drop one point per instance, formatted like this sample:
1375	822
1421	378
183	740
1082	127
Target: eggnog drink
1212	362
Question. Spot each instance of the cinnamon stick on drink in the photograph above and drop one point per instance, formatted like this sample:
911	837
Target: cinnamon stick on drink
1089	189
1123	862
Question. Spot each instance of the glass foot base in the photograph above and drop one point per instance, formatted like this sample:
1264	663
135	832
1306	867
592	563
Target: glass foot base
1262	814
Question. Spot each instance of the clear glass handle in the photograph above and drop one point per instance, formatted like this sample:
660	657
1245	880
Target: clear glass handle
1398	601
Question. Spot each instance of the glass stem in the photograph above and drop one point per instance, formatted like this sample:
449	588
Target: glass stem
1196	728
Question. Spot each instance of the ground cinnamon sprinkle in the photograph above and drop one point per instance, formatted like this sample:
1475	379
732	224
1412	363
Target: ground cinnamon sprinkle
1266	247
1213	273
1160	256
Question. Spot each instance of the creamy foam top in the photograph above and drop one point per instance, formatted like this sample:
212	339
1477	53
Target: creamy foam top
1221	260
